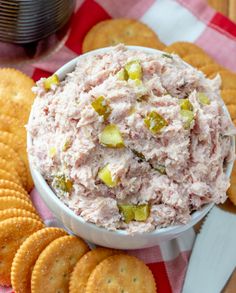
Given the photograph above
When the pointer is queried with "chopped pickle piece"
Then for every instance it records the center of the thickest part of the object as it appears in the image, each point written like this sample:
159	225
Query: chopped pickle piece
161	169
203	99
63	183
101	107
167	56
52	151
185	104
155	122
66	145
128	212
122	74
134	69
138	83
188	117
51	80
135	212
139	155
111	137
141	212
104	174
143	98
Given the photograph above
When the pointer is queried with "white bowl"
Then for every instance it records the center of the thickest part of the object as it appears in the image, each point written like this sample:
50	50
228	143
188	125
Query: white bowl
115	239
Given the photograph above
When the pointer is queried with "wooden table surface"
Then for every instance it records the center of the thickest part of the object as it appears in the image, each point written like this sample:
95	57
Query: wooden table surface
227	7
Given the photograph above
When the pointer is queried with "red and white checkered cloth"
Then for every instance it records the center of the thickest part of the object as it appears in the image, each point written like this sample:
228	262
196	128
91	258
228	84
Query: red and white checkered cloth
180	20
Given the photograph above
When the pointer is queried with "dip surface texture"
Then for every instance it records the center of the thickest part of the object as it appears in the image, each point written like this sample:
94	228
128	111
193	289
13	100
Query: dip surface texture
131	140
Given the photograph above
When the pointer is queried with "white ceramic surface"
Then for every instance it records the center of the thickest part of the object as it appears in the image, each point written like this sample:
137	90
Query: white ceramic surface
115	239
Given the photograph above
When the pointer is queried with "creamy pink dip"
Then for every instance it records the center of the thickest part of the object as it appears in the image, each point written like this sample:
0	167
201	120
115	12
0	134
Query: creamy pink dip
194	159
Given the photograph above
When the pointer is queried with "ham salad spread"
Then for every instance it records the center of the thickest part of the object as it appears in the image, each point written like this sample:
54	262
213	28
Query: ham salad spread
132	140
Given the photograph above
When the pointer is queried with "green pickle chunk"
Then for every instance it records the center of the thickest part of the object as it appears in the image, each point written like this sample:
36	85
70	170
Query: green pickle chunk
51	80
111	137
167	56
134	212
155	122
122	74
63	183
185	104
104	175
188	117
141	212
128	212
101	107
139	155
138	83
161	169
67	144
203	99
52	151
134	69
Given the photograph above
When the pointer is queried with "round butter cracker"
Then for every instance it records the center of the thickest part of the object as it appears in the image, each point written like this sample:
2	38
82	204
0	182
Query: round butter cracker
4	175
14	193
16	96
12	125
183	49
18	144
13	213
8	202
213	75
9	167
198	60
232	111
53	268
229	96
28	254
121	273
210	69
18	111
9	154
13	233
232	189
232	192
228	80
114	31
86	265
6	184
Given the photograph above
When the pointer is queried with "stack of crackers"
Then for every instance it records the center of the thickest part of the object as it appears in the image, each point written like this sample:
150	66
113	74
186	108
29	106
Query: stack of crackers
16	98
18	217
34	258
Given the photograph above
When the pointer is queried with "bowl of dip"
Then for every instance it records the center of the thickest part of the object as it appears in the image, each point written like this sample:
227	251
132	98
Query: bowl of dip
130	146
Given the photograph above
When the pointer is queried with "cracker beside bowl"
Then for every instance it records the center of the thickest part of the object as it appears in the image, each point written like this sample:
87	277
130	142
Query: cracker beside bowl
114	239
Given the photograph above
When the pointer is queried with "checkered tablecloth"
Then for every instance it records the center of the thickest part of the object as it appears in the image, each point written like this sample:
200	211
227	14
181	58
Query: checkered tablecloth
180	20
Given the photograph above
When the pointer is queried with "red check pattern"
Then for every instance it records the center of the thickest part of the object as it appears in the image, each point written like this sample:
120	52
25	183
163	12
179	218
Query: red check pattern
216	34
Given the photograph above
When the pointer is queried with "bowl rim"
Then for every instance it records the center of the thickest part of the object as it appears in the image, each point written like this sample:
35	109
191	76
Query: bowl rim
195	216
